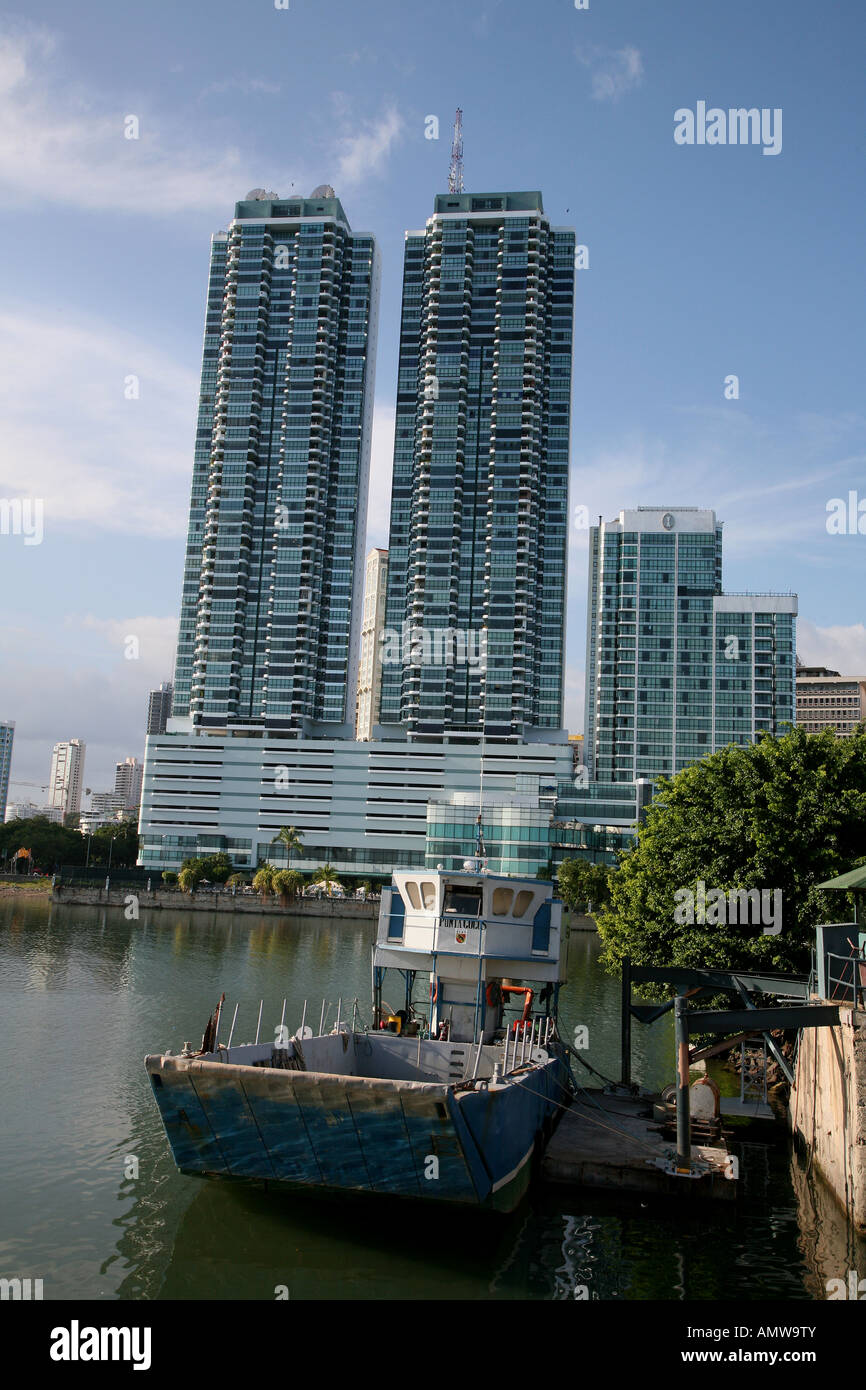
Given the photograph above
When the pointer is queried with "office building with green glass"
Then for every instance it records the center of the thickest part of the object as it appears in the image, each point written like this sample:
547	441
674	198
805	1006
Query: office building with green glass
479	508
675	667
271	605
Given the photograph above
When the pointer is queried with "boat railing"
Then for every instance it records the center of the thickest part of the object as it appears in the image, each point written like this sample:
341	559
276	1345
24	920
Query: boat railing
522	1040
344	1019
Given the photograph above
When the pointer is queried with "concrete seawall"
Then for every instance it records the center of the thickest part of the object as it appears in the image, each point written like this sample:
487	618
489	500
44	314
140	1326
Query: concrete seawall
828	1108
92	896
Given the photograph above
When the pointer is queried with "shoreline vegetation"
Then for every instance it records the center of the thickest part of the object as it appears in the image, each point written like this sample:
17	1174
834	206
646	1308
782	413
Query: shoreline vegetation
25	887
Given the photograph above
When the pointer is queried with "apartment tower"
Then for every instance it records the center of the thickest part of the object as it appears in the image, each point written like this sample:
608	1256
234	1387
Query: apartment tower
475	607
271	606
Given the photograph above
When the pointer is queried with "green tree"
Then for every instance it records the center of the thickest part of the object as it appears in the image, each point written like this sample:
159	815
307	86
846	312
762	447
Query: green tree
292	840
781	814
288	883
52	845
263	881
327	876
217	867
237	881
188	879
117	842
169	878
584	885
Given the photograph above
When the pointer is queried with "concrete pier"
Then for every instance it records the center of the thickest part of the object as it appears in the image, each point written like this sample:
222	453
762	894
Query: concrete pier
612	1142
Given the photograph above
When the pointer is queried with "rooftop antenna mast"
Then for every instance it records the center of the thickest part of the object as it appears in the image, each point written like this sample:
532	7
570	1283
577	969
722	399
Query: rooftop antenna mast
455	172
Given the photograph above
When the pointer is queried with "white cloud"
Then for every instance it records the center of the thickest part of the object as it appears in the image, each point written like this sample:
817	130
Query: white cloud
101	697
59	143
614	71
364	151
842	649
100	462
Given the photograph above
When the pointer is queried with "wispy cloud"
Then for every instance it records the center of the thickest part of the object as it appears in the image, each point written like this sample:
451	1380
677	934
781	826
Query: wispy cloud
60	143
101	697
99	461
614	71
363	152
248	86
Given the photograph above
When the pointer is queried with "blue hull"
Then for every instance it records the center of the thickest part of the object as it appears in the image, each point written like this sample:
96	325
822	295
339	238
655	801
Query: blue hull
340	1133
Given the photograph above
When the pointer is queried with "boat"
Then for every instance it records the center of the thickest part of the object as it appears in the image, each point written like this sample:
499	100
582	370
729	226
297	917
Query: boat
446	1099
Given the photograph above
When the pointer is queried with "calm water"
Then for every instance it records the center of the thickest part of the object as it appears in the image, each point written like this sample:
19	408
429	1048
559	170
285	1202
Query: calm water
84	994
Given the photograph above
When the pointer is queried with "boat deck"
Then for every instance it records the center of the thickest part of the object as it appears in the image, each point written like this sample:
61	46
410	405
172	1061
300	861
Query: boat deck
612	1142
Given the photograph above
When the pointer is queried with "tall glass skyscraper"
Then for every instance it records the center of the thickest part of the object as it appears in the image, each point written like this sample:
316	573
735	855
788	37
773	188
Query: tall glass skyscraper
479	509
675	668
7	734
271	605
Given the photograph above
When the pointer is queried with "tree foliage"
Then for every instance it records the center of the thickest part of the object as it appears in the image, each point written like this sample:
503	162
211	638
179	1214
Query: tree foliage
292	839
783	813
583	884
51	844
288	883
263	882
327	876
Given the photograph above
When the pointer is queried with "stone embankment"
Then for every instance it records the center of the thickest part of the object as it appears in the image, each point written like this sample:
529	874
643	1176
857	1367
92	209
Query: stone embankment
203	901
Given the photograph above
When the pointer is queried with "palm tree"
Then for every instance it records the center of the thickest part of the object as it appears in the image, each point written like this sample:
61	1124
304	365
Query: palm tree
289	837
264	880
287	884
327	875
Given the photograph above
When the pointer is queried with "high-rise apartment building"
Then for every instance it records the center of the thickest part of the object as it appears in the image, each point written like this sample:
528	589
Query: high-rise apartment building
7	734
370	664
271	606
159	708
675	668
67	777
479	507
826	700
127	783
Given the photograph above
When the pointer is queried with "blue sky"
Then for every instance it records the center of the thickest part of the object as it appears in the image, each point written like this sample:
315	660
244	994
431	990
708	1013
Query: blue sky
704	261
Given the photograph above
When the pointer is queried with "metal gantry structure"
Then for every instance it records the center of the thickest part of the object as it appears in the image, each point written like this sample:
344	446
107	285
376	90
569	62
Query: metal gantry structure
798	1011
455	172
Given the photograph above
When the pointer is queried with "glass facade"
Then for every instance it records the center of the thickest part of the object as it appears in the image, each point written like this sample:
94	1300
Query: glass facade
479	509
270	602
675	668
7	734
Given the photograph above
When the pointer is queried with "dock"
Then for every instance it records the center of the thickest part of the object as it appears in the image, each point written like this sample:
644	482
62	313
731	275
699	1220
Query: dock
610	1141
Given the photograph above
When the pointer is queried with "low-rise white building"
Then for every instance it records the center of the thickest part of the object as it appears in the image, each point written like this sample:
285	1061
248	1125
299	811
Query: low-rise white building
361	807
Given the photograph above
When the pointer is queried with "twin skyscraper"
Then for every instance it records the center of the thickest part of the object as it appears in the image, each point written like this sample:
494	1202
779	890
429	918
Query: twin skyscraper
471	652
272	595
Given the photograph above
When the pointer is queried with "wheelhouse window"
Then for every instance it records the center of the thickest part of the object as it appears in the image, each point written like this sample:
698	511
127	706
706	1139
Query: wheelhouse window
502	900
522	902
428	895
414	895
463	902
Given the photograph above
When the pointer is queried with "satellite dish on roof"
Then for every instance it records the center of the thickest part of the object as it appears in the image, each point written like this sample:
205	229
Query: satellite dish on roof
260	195
323	190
